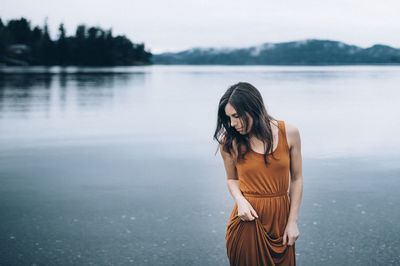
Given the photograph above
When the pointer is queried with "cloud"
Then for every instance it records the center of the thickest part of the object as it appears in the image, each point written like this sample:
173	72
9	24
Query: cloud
179	24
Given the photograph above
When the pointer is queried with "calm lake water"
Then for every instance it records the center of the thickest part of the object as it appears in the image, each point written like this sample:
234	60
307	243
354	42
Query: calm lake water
115	166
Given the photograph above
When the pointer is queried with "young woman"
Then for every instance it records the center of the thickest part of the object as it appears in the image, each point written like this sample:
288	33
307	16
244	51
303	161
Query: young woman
259	153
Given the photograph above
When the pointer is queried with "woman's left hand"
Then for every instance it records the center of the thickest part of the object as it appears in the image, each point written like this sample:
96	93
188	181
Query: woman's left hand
291	234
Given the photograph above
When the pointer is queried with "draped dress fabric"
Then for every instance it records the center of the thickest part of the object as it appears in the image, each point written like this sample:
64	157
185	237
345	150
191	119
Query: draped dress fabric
260	242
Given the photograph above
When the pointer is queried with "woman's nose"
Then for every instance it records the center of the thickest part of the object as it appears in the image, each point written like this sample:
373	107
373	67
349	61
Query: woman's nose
233	122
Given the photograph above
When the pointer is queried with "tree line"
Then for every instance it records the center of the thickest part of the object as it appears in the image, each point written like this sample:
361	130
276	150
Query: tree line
90	46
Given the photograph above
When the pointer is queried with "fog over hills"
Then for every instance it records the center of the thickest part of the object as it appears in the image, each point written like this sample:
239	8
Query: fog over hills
304	52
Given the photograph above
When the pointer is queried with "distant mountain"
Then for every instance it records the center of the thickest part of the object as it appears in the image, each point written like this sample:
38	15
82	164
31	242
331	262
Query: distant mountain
306	52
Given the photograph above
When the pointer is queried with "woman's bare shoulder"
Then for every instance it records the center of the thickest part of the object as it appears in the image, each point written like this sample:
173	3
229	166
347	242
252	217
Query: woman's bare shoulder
225	154
290	128
292	134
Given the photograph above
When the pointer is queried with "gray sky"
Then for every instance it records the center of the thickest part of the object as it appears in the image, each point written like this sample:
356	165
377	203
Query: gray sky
181	24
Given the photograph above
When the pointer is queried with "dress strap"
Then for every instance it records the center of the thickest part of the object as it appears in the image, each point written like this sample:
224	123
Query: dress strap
282	134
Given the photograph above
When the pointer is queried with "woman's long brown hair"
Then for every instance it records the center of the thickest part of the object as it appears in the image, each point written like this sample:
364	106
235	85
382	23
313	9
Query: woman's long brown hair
245	98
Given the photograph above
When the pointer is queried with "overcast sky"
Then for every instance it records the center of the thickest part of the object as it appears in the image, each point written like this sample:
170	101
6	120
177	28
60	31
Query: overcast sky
173	25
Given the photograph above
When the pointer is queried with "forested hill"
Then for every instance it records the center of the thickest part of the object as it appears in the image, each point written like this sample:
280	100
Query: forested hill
307	52
90	46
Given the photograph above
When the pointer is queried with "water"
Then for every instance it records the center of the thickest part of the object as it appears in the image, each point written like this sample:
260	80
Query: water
103	166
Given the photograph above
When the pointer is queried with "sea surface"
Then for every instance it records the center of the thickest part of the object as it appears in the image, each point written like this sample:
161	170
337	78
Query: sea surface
117	166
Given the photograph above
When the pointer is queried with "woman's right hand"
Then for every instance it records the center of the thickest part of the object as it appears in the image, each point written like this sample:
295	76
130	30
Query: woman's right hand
245	210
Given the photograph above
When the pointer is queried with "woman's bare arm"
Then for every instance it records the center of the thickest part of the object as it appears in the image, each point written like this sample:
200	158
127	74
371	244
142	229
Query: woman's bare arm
296	184
296	175
245	210
231	174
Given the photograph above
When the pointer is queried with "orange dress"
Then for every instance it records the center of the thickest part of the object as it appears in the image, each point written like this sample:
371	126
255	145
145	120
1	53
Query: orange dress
259	242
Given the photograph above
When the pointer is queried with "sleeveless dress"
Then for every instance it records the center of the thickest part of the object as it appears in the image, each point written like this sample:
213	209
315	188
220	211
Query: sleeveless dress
259	242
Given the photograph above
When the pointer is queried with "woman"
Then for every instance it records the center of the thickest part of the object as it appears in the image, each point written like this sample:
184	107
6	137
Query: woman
259	152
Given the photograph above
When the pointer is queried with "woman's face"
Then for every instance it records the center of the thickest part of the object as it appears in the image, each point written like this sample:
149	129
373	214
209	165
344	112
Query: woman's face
236	122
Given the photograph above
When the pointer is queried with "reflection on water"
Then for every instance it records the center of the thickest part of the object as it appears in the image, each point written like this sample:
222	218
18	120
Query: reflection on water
24	92
339	110
20	91
47	106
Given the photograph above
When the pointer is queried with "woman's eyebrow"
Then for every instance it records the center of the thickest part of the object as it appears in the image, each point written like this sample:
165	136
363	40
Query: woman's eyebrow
232	114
